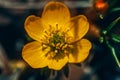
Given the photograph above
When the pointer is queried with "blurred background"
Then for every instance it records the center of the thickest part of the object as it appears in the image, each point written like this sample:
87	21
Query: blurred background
100	65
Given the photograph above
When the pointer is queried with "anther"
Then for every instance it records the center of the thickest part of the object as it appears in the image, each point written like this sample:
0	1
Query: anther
56	51
65	46
58	46
68	29
44	45
70	46
52	44
56	26
46	36
41	39
50	26
46	32
65	51
61	44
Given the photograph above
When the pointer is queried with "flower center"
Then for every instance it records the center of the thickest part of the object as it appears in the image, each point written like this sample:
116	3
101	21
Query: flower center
56	40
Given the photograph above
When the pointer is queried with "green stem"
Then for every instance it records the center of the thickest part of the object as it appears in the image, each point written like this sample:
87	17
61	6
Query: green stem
112	24
112	49
115	9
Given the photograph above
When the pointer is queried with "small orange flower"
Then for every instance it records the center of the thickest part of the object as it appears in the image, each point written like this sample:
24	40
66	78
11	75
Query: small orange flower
58	38
101	5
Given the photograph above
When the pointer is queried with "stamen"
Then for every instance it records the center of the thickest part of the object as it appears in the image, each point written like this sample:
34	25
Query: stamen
50	55
69	39
65	51
46	36
68	29
46	32
61	44
56	27
58	46
52	44
50	27
41	40
53	54
44	45
65	46
57	41
70	46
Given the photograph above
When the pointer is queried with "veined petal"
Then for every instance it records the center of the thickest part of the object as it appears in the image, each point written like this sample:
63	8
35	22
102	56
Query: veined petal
78	27
58	64
56	13
34	27
81	51
33	54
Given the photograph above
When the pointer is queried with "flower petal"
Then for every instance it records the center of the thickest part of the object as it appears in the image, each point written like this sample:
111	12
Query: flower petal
78	27
58	64
33	54
56	13
81	51
34	27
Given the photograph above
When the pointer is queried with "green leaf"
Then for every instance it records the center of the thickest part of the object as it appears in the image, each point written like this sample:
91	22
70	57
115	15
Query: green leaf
115	9
112	50
115	38
113	24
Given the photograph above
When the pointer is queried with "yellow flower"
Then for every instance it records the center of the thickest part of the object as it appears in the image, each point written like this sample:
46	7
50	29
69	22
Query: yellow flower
58	38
